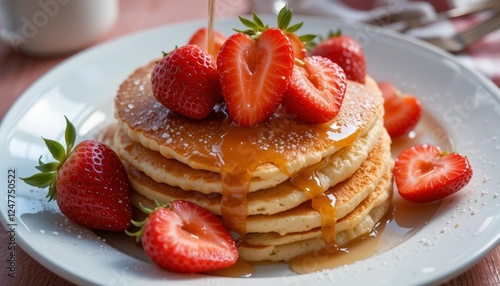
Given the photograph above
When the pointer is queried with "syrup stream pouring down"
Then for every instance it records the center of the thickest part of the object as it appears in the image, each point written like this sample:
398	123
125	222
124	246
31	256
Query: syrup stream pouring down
210	28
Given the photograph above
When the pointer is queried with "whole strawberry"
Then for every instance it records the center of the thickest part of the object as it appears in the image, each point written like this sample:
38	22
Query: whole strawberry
185	237
346	52
186	82
88	182
200	38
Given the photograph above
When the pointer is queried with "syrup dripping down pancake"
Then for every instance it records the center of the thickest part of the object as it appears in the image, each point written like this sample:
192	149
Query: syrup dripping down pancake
274	247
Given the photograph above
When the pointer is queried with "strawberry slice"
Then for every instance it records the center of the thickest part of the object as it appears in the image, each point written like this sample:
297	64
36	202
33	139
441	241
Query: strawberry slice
299	49
186	238
200	38
388	90
402	111
401	115
254	74
316	90
424	174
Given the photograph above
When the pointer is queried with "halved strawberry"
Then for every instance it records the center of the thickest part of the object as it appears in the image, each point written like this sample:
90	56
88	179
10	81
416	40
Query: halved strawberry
254	74
423	173
299	49
185	237
346	52
200	38
186	81
316	90
402	111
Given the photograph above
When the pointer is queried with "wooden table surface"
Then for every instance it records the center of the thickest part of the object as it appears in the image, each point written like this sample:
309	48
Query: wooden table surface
18	72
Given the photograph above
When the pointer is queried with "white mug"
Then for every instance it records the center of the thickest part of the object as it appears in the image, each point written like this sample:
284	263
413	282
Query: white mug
55	27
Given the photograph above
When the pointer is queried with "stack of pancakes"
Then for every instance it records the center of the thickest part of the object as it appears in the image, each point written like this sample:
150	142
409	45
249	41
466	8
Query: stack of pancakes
284	188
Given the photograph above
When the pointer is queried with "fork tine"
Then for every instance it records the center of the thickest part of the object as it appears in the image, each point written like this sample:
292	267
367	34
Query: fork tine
477	32
462	40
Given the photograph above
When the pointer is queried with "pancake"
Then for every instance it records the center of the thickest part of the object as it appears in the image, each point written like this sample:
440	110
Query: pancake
279	147
381	194
363	187
347	195
335	168
285	187
279	199
288	251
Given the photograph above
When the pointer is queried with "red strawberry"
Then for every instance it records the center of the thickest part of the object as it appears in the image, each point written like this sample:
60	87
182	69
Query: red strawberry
254	75
389	91
316	90
299	49
402	111
423	173
186	82
347	53
184	237
89	183
200	38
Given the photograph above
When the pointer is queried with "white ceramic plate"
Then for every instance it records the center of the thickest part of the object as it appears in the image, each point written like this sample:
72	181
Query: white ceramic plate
462	113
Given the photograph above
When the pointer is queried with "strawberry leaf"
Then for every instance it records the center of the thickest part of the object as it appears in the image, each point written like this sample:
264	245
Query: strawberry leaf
69	135
258	22
51	194
48	171
56	149
253	26
307	37
294	28
41	180
141	224
284	18
47	167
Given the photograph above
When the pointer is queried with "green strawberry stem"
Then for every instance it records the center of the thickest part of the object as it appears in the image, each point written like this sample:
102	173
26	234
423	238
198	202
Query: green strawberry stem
256	26
299	62
141	224
48	171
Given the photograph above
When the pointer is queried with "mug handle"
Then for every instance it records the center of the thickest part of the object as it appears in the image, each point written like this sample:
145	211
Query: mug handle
7	10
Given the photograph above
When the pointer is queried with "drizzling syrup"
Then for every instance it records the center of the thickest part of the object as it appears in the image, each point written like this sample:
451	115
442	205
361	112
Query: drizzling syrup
210	27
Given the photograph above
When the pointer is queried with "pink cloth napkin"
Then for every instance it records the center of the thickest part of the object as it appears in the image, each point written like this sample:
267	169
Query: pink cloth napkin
483	56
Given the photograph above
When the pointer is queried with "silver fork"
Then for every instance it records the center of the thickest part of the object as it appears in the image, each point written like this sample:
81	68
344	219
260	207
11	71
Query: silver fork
462	40
404	23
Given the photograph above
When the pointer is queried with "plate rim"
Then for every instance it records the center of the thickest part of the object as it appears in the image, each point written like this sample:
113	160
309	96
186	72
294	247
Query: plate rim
26	96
